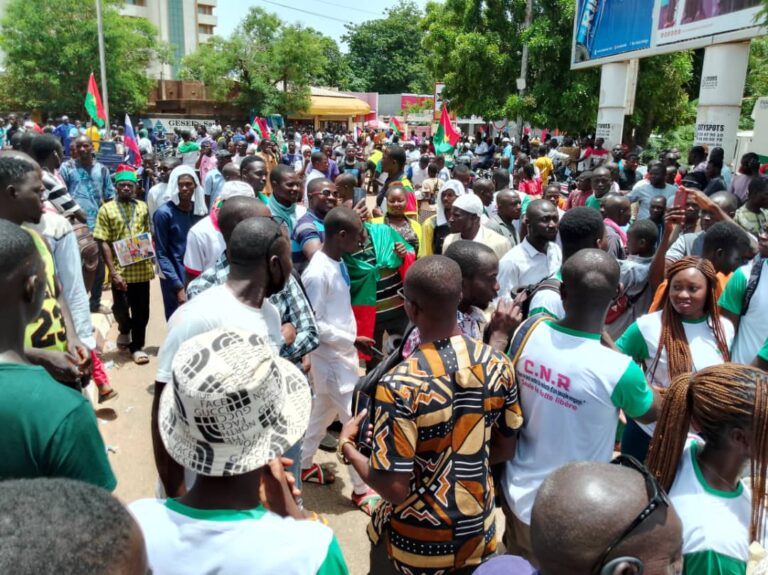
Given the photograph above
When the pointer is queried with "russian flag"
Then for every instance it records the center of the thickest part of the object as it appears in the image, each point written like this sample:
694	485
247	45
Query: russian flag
132	143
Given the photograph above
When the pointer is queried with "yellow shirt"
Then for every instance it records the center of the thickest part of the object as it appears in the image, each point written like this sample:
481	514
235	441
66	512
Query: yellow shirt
545	168
93	133
47	331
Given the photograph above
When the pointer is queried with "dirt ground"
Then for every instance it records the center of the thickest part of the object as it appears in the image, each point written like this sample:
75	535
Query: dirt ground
125	425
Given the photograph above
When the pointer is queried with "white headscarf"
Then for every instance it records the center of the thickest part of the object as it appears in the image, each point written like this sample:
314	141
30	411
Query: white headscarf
198	197
454	185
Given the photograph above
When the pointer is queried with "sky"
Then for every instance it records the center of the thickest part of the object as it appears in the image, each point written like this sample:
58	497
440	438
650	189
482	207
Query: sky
327	16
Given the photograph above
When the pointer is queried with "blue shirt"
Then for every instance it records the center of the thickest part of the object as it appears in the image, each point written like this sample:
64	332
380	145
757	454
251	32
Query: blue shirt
89	188
214	181
64	133
171	229
309	227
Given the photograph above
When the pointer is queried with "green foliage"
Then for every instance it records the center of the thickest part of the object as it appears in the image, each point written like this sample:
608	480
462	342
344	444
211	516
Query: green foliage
757	80
266	64
51	47
661	98
680	137
385	53
475	48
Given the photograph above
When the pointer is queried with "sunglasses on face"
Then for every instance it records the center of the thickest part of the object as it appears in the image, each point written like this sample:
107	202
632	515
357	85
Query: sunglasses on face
326	192
658	498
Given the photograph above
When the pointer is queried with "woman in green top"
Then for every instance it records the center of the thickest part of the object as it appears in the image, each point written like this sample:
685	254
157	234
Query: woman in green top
727	405
408	228
687	334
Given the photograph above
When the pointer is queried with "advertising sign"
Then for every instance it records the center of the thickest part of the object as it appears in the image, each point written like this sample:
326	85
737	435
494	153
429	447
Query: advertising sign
171	124
615	30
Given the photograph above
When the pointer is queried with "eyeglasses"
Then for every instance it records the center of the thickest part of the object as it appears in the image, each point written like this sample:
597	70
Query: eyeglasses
658	497
326	192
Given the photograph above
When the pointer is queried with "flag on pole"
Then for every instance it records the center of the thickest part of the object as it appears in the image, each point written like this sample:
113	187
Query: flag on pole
265	128
256	126
446	136
93	103
132	143
396	126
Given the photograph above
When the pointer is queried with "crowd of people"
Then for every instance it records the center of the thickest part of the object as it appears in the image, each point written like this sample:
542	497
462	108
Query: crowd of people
553	329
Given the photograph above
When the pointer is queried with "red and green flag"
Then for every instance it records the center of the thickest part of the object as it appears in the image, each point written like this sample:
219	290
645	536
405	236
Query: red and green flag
446	136
93	103
396	126
364	276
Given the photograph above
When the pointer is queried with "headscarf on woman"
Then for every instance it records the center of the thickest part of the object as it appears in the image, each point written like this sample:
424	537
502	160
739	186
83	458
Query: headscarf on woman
458	189
198	198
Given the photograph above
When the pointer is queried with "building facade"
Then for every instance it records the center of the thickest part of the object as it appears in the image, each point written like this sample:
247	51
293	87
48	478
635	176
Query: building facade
184	24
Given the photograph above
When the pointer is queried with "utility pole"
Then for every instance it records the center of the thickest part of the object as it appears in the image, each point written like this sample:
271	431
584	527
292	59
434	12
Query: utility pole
103	65
524	62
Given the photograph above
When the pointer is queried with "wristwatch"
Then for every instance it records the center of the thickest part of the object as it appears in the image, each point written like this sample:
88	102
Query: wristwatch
340	450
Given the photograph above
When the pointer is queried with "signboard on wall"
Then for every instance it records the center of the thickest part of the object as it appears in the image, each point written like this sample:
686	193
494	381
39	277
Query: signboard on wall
171	124
616	30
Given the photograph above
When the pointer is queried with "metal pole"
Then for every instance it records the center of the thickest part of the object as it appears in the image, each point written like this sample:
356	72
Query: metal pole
103	65
524	61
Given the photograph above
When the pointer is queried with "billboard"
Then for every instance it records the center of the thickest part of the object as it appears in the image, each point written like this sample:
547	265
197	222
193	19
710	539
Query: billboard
616	30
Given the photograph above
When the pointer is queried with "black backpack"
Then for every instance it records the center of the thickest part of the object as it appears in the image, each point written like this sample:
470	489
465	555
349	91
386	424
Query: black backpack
754	279
550	283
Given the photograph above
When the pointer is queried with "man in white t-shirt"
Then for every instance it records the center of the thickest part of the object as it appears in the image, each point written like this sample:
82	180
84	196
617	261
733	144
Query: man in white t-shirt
205	244
571	390
748	287
234	410
335	361
260	263
537	256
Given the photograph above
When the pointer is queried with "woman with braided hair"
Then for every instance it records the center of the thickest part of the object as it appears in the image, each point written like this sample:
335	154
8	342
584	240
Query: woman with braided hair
686	335
727	406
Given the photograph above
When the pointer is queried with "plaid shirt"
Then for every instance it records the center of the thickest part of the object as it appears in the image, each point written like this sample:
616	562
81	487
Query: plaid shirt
118	220
292	303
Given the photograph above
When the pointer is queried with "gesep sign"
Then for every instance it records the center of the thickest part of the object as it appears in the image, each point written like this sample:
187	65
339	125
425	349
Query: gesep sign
172	124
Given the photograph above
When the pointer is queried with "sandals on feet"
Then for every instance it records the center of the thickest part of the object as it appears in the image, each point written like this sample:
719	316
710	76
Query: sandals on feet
317	475
366	502
123	340
111	394
140	357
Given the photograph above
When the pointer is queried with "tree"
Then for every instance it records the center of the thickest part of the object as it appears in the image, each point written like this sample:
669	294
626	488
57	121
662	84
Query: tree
265	65
385	53
475	48
51	48
661	98
757	80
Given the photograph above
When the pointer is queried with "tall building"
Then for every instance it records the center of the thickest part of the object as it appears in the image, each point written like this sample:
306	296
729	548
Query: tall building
184	24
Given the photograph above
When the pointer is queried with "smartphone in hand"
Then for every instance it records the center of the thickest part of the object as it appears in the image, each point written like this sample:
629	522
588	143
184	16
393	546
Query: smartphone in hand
362	401
681	196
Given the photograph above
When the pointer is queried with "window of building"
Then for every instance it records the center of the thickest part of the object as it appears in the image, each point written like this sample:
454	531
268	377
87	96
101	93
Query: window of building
176	31
204	29
205	10
136	2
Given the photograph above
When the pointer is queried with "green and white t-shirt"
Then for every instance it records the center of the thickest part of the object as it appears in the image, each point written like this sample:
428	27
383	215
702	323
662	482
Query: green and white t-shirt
182	540
715	523
571	389
641	341
753	324
548	301
763	353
